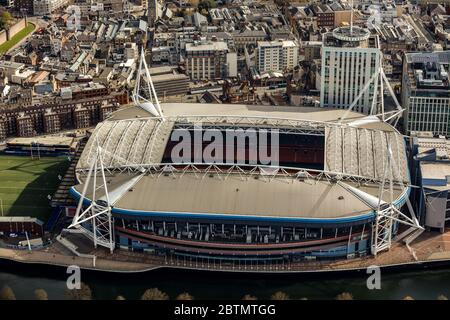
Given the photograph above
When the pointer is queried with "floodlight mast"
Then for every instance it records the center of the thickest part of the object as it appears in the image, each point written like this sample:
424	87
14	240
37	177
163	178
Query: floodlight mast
98	213
380	81
151	102
387	213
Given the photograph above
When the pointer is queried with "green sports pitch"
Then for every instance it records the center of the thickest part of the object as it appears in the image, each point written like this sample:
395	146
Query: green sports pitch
27	185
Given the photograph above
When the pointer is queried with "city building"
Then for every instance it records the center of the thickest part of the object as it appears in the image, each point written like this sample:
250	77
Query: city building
246	37
33	226
20	121
431	171
278	55
169	82
350	58
311	50
44	7
42	146
24	6
207	60
426	92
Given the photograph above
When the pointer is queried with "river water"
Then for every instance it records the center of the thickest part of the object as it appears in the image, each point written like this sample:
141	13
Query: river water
422	284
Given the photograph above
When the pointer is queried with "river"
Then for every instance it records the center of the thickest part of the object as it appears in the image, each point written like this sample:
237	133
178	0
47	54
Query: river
421	284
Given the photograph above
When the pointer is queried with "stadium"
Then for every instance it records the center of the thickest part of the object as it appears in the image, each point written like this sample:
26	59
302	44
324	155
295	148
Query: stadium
337	191
229	211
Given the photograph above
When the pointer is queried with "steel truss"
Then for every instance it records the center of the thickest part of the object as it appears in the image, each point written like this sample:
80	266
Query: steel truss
290	129
388	213
150	103
380	80
224	170
236	121
98	213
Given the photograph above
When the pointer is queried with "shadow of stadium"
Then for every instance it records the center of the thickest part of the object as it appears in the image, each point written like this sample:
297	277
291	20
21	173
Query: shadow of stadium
34	199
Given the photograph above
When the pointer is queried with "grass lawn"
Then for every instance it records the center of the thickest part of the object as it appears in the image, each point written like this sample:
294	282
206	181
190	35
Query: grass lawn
25	184
17	38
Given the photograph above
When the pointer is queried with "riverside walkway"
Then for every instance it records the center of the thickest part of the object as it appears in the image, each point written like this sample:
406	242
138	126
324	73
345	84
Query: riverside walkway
429	247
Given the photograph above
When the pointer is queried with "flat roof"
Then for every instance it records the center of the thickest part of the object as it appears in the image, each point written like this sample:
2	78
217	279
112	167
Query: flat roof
20	219
50	140
435	170
208	46
434	175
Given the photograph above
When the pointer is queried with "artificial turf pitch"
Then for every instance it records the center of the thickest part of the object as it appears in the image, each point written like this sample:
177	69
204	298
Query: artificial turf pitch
27	185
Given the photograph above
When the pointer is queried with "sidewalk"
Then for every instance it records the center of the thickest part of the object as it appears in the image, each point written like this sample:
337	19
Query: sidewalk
429	247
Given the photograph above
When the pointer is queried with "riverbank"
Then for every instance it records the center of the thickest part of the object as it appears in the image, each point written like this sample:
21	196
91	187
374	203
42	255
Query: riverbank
429	249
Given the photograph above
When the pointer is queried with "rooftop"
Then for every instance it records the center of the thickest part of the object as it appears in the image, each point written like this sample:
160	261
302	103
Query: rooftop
429	70
44	140
207	46
435	175
355	37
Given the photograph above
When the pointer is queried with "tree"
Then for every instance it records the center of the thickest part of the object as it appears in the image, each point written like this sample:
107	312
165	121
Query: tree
279	295
344	296
249	297
84	293
184	296
40	294
7	293
5	19
154	294
442	297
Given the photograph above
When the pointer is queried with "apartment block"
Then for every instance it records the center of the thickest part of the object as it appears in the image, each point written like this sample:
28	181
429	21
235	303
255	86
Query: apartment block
277	55
207	60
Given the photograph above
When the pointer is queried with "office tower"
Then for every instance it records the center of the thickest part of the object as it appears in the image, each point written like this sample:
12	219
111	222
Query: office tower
350	58
426	92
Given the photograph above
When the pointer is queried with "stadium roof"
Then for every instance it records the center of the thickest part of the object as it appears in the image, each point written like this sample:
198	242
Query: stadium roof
355	155
356	150
237	197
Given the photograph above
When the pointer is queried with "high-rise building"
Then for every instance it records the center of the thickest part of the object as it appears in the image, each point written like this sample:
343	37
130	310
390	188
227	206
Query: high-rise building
426	92
207	60
350	58
277	55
